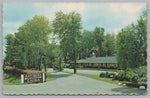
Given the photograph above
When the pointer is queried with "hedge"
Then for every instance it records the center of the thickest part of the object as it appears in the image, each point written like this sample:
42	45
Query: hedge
111	75
102	74
18	72
107	75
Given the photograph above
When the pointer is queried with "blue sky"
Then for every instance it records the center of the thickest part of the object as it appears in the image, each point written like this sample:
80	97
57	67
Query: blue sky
111	16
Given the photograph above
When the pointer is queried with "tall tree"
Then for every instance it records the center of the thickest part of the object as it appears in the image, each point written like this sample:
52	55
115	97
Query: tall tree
99	38
131	45
141	28
87	44
68	26
31	41
109	45
10	49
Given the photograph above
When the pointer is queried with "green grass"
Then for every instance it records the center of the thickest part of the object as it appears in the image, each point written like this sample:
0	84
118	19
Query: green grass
98	78
50	77
9	79
109	80
101	69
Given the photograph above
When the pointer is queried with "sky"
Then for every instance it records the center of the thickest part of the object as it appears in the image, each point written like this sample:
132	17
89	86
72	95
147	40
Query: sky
111	16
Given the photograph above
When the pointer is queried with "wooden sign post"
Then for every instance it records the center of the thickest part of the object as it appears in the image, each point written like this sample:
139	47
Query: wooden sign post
33	78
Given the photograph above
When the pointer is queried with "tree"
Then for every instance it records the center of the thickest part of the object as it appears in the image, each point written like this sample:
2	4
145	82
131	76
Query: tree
10	56
99	38
109	45
142	38
123	48
86	45
68	26
131	45
31	42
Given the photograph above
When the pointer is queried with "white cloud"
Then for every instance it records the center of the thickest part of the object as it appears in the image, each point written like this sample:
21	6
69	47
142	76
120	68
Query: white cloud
127	10
50	8
116	30
10	24
42	5
67	7
126	7
113	30
11	27
44	9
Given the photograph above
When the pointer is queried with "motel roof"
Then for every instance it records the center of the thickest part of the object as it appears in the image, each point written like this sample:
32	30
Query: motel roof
98	60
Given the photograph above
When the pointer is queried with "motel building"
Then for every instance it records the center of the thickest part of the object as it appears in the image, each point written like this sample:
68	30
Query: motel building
98	62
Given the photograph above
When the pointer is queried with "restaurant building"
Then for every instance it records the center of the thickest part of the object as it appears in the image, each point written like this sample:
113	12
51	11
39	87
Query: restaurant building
98	62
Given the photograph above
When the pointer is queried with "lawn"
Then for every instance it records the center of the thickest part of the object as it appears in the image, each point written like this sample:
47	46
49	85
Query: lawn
109	80
99	78
9	79
50	77
113	70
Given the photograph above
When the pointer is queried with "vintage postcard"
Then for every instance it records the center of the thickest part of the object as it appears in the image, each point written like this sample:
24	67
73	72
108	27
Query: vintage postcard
74	48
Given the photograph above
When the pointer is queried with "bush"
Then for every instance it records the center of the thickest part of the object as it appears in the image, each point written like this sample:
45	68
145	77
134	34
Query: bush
18	72
142	73
121	75
111	75
102	74
106	75
115	77
131	75
144	79
137	74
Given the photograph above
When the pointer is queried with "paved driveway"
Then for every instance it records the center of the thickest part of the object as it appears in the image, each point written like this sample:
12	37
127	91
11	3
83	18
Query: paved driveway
93	72
70	84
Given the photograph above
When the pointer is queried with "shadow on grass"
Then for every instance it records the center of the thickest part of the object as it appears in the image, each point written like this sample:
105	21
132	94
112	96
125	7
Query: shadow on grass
62	75
128	90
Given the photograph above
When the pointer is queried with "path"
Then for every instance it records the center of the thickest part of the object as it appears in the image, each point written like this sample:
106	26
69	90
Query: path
70	84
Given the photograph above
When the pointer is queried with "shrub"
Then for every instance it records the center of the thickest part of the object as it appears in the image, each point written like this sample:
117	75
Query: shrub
18	72
129	75
144	79
106	75
102	74
137	74
121	75
111	75
142	73
115	77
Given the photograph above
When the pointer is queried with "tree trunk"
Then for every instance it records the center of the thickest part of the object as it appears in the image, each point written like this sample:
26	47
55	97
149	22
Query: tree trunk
99	51
44	65
59	64
65	58
75	71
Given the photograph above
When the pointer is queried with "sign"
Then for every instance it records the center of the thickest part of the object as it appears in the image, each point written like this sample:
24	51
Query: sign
33	78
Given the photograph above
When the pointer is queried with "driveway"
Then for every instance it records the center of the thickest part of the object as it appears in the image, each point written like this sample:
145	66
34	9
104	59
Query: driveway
69	84
93	72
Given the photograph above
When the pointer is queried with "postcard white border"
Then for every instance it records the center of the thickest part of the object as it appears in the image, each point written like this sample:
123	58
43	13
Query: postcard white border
103	1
